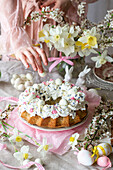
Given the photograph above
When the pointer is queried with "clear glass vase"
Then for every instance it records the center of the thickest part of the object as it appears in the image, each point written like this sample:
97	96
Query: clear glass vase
79	65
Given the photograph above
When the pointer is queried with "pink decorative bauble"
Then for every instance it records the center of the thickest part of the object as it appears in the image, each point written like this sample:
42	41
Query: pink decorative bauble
104	161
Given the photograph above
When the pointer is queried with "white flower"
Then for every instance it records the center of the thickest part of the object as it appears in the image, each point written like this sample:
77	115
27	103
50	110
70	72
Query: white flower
68	47
102	59
73	140
56	36
38	160
72	32
17	137
89	41
23	154
45	146
44	35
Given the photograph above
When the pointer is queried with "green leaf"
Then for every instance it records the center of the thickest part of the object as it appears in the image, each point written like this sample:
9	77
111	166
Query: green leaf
0	73
79	149
108	24
86	145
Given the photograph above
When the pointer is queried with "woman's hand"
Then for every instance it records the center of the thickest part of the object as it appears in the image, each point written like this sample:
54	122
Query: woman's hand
33	56
63	5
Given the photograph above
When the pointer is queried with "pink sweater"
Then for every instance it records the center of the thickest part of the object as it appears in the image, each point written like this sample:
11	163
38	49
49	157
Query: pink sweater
12	14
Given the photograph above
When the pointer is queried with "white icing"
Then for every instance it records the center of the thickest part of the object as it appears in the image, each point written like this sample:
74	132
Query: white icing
63	102
33	99
58	81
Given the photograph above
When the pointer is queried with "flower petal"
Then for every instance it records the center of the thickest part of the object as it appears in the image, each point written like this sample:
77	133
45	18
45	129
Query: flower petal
110	59
97	64
94	58
18	156
15	131
40	148
25	149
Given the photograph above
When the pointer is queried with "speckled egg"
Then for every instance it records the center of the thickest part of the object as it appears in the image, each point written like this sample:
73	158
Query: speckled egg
23	76
12	81
15	76
104	161
18	81
15	86
84	158
29	76
27	84
104	149
21	87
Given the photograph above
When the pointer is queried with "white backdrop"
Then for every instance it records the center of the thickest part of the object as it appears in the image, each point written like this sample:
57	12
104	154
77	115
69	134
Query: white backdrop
97	10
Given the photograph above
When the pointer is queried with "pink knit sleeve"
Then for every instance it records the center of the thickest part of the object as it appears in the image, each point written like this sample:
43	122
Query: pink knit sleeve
72	11
91	1
13	36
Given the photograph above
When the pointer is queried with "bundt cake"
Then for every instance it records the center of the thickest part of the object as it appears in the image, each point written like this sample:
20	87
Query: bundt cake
53	104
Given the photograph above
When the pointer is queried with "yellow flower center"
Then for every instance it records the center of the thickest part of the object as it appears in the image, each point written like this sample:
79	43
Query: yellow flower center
92	41
66	45
46	41
83	46
25	155
69	35
71	139
57	37
45	147
41	34
76	48
102	61
18	139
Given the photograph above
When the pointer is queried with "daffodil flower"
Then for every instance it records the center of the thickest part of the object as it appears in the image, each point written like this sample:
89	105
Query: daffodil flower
23	154
17	137
88	41
73	140
102	59
68	47
46	147
44	35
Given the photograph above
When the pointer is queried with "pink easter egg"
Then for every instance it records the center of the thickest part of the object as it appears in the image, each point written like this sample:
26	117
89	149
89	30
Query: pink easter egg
104	161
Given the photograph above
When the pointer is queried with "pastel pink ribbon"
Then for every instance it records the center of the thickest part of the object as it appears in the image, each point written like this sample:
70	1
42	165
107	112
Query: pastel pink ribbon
29	164
2	146
11	99
59	59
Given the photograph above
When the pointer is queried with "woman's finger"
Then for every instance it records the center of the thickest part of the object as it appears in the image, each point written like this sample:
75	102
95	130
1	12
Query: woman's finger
22	57
47	3
37	59
30	57
57	5
42	54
